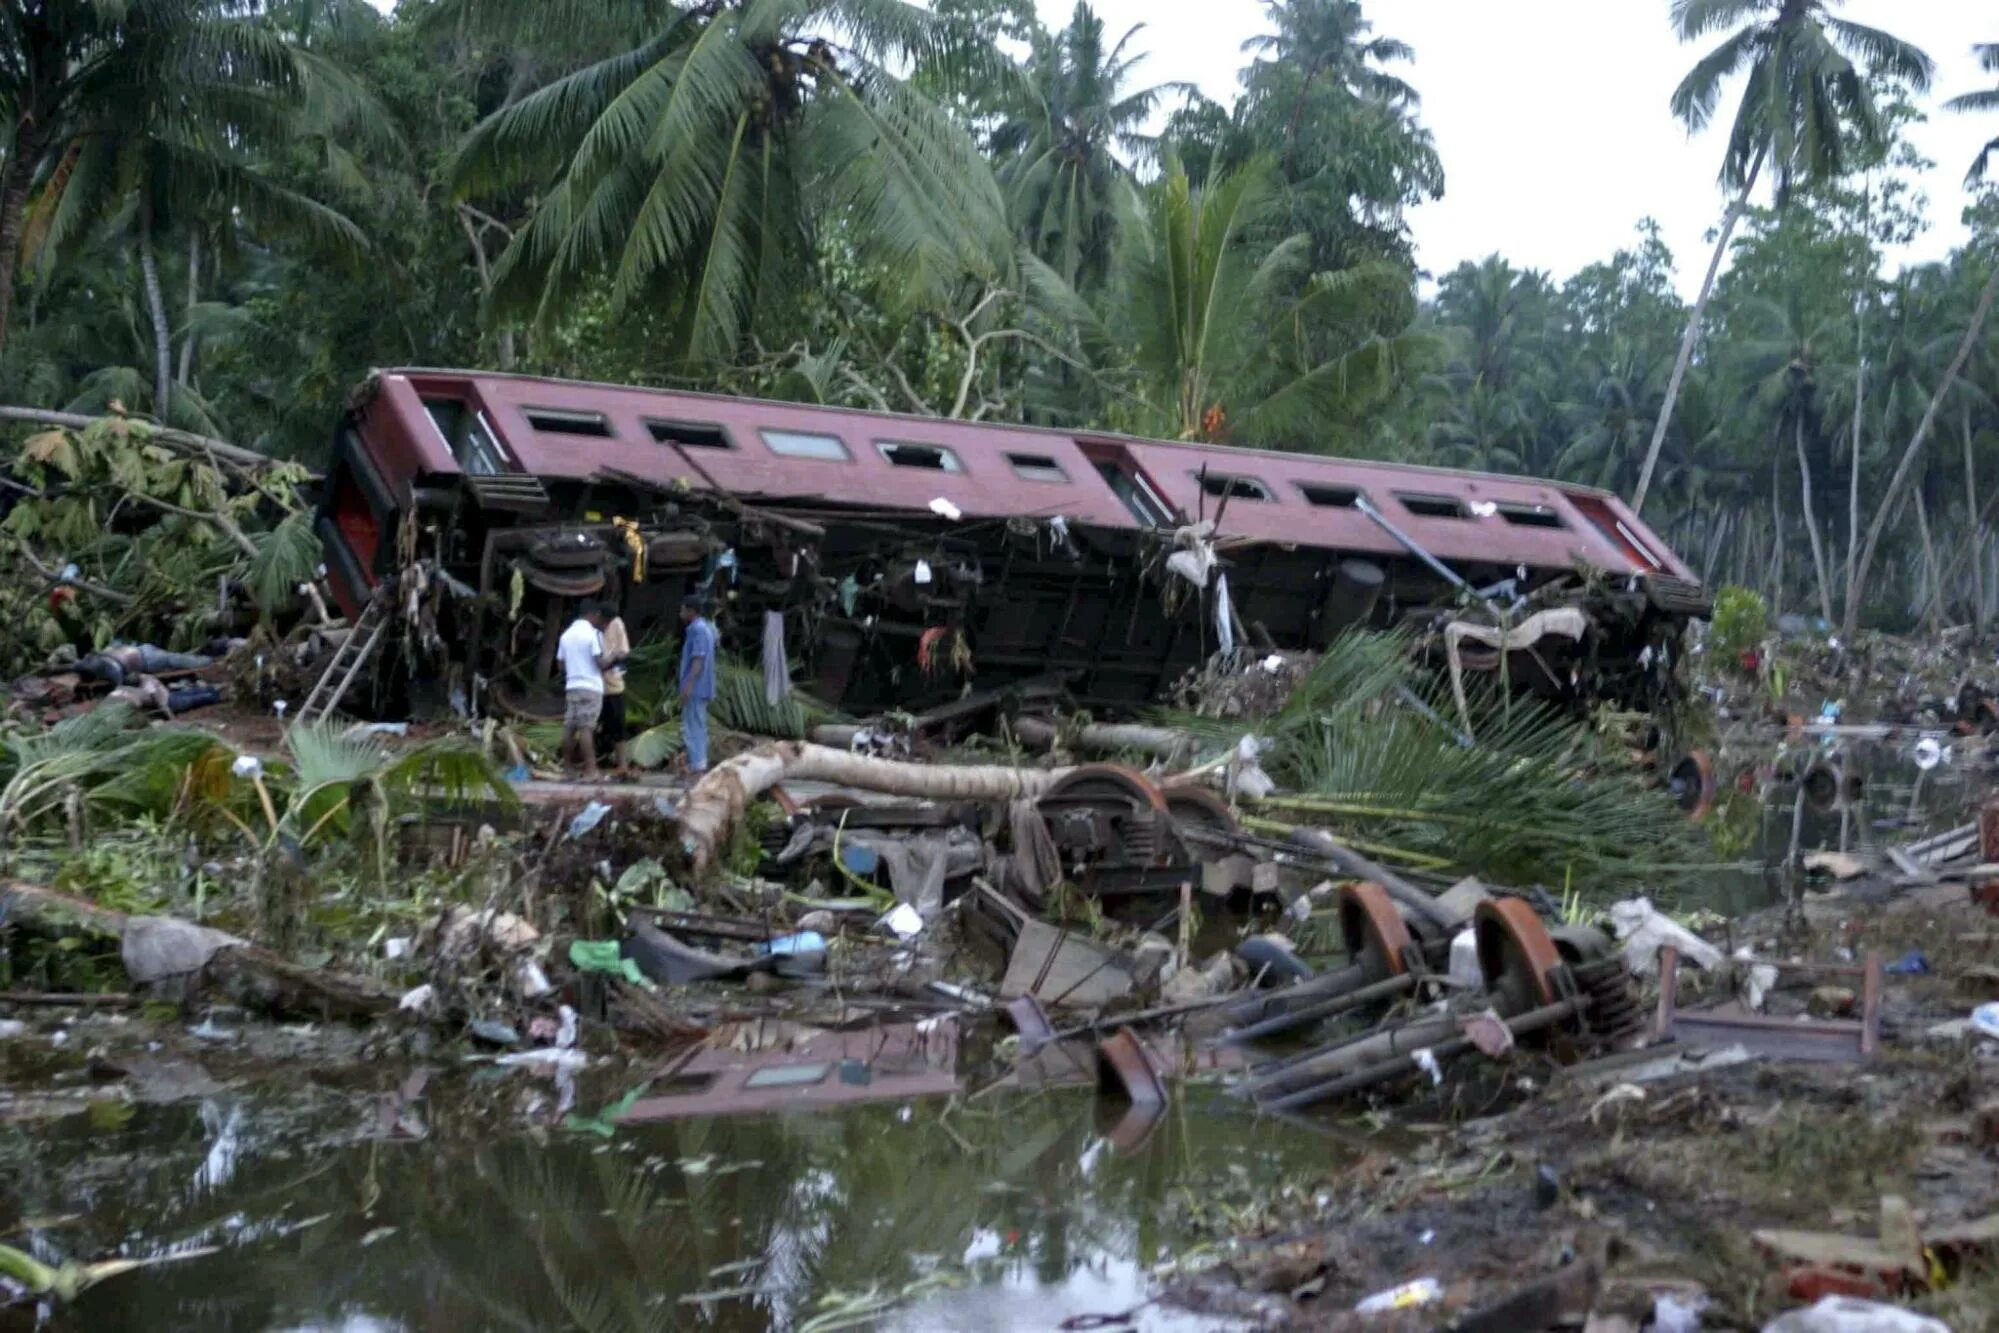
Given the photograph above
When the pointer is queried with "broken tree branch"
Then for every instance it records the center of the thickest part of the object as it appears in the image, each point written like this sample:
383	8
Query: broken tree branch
253	977
715	803
179	440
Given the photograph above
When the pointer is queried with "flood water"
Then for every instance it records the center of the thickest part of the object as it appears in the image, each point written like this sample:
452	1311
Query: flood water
1008	1212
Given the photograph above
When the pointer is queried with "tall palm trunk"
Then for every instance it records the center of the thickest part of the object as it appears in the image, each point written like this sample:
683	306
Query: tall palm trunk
1932	573
1859	406
15	184
1812	522
1776	533
1857	588
156	302
186	370
1692	336
1975	534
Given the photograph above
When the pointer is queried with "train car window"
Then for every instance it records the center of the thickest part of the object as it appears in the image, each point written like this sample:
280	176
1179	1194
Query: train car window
1145	505
930	457
1228	485
552	421
1531	516
806	444
1037	467
1329	497
469	437
693	434
1432	506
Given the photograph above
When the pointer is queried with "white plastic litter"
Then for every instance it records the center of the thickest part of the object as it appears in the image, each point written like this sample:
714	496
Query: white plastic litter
1484	508
1224	615
923	573
530	981
11	1028
1929	753
945	509
904	921
247	766
1409	1296
1426	1060
1762	977
589	817
1672	1314
415	1001
1845	1314
1645	930
398	947
1985	1020
552	1059
1465	973
565	1035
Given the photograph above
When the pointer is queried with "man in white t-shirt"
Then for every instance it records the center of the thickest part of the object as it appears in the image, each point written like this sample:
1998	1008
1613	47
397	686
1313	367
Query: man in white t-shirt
584	661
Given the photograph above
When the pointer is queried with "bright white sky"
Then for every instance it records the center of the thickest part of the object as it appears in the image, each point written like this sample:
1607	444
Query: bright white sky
1552	120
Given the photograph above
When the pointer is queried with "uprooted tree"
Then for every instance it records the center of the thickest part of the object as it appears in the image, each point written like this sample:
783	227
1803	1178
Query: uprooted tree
149	533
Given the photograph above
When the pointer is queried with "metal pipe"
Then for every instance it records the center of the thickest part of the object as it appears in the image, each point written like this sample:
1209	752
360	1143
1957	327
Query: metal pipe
1346	1056
1284	1022
1415	548
1531	1021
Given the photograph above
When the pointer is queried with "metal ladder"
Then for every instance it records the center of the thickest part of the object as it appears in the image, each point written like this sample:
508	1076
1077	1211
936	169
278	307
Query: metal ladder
353	654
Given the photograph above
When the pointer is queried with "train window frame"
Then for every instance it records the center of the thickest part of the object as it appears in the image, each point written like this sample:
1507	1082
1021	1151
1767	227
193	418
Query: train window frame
1026	466
721	438
950	464
771	434
1309	491
1233	486
1426	504
578	423
1544	517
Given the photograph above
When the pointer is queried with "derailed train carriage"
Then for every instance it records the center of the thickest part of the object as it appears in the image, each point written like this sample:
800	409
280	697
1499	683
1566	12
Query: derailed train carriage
909	559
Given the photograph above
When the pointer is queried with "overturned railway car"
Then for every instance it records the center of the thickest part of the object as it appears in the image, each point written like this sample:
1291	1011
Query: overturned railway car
906	559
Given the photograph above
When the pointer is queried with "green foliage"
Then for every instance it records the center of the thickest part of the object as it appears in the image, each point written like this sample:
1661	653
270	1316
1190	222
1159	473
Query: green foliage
1536	800
1741	622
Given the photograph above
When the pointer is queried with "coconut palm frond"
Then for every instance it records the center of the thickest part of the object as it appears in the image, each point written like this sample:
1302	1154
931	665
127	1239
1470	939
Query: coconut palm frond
287	556
452	770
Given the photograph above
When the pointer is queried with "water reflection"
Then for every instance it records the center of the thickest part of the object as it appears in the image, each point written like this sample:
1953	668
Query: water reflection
1004	1213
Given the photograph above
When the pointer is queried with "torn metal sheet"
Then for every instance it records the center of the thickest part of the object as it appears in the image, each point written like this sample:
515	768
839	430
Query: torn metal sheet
754	1067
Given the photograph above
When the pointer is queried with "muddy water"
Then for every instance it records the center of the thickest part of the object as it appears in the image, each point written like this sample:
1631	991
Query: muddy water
1010	1212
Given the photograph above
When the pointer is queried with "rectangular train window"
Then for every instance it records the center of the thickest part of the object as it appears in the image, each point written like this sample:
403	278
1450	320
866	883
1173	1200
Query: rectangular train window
1432	506
1228	485
806	444
931	457
1531	516
469	437
693	434
1329	497
553	421
1037	467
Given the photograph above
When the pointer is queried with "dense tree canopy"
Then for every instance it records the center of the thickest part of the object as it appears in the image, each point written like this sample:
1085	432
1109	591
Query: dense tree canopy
225	212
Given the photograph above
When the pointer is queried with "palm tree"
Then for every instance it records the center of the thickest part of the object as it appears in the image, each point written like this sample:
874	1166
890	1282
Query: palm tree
1329	42
188	149
1983	100
695	162
77	80
1235	340
1059	148
1803	100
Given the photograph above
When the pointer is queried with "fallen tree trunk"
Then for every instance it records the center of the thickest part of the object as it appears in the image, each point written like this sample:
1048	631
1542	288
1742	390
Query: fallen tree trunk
181	441
715	803
1097	737
253	977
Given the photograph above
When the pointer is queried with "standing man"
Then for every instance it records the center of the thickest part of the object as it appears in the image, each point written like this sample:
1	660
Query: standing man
612	730
697	682
581	649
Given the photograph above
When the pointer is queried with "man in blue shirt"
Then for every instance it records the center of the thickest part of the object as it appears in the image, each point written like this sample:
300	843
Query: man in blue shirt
697	682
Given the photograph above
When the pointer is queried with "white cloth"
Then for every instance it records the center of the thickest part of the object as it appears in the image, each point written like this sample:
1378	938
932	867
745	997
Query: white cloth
579	648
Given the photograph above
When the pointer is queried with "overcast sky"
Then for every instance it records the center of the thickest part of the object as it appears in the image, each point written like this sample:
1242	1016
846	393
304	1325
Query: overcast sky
1551	115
